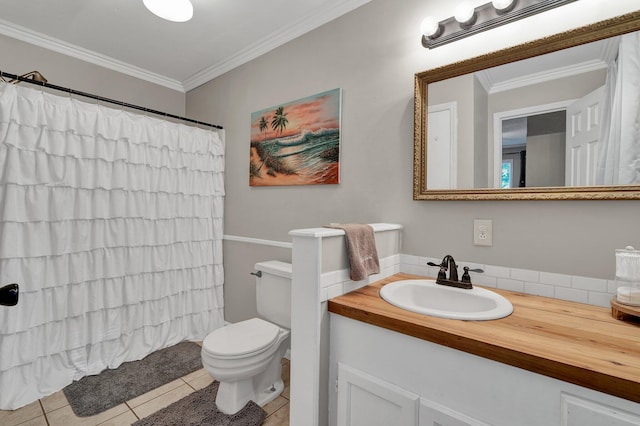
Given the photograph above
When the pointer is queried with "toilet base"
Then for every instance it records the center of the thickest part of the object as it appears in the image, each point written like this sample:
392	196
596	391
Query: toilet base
233	396
269	395
261	389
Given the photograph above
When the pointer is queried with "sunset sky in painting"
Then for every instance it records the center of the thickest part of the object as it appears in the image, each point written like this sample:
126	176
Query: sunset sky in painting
313	113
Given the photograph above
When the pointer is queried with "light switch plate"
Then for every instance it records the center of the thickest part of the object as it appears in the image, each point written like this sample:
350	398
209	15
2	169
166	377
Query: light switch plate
483	232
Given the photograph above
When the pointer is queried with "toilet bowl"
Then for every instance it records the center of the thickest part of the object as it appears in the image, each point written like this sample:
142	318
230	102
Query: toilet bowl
246	357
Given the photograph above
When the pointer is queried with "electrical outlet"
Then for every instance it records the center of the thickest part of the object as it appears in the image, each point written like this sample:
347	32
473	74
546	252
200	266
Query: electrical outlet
483	232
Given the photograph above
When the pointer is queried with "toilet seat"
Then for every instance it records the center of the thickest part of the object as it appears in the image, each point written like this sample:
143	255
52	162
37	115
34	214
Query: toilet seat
241	339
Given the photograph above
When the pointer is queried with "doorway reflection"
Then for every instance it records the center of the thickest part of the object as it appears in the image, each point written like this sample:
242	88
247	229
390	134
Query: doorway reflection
534	150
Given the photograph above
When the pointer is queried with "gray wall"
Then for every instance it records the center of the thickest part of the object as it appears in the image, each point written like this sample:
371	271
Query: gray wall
373	53
19	58
481	136
545	159
240	286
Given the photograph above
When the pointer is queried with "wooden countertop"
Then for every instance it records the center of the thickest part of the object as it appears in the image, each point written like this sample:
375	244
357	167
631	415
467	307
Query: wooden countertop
573	342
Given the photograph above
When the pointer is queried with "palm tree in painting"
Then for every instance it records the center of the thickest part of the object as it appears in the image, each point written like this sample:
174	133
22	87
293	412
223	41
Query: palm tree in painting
264	125
279	121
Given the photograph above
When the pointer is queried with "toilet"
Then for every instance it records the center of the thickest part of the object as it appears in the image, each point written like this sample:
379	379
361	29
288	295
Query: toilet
245	357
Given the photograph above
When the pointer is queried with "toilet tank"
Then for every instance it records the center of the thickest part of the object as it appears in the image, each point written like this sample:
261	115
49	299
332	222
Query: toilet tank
273	292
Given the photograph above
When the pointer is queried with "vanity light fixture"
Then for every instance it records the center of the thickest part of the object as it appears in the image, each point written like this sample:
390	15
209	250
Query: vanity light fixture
469	20
171	10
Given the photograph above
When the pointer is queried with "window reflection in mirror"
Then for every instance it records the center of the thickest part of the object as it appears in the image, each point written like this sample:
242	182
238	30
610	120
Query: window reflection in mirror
507	173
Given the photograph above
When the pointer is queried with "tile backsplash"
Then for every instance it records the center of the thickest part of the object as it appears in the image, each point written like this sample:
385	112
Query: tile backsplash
573	288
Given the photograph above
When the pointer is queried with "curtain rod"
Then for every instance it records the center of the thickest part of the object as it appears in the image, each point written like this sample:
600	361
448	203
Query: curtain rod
102	99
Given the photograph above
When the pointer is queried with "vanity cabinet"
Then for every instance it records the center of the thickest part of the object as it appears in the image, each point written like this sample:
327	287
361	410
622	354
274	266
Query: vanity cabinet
365	400
382	377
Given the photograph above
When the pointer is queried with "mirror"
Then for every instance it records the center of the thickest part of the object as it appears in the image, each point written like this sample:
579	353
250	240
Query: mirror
497	127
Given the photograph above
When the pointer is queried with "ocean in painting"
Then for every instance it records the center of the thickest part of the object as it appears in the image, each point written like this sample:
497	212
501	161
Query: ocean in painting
306	158
297	143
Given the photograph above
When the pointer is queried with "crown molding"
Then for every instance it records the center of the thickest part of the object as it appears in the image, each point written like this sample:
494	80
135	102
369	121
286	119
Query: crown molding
541	77
38	39
272	41
608	51
269	43
485	80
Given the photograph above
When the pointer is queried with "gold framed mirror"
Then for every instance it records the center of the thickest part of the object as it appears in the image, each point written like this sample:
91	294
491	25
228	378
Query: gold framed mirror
490	160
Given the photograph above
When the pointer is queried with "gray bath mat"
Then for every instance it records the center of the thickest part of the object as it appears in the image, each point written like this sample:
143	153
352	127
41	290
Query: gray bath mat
200	409
92	395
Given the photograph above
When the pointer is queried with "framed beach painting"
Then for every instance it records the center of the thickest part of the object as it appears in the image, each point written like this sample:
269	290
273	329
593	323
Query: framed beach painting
297	143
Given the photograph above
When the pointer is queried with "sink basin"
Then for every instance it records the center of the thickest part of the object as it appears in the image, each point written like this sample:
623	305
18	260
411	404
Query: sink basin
428	298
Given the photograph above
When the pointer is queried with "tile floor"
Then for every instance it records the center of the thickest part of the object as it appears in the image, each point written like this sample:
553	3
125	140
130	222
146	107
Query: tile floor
54	410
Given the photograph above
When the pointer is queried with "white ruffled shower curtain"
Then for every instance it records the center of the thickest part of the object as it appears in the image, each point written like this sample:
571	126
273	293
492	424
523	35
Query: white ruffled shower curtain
619	162
111	223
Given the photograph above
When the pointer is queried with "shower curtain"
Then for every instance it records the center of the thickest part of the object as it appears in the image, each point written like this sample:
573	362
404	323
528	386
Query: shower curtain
619	162
111	223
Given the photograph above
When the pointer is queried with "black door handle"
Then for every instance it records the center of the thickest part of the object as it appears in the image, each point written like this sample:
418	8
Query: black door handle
9	295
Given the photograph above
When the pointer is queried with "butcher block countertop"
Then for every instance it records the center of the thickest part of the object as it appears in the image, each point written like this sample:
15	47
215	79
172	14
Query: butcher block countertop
573	342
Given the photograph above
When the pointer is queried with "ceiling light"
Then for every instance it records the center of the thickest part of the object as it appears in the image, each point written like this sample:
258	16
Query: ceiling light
171	10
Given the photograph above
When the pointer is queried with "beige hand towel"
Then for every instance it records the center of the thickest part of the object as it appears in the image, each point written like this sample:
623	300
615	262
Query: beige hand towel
361	249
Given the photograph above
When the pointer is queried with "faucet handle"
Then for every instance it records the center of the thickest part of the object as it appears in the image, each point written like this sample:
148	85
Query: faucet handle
466	278
442	273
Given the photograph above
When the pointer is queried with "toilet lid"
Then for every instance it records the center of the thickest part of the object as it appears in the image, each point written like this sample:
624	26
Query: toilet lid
241	338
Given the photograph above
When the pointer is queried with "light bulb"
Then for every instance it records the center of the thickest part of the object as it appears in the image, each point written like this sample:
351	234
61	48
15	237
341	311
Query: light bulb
464	12
430	27
171	10
501	5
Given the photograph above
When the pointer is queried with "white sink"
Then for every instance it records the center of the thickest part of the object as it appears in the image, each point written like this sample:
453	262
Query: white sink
428	298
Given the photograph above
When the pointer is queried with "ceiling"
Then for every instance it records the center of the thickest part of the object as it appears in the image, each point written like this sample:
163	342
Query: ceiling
124	36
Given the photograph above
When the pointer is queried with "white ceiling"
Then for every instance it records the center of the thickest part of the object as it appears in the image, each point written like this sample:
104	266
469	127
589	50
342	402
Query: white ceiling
123	35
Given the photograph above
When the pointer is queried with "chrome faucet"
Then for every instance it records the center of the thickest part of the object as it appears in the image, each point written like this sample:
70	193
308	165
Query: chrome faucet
448	263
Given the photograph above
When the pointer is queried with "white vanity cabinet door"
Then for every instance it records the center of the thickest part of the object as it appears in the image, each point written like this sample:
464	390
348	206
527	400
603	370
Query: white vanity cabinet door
365	400
583	412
